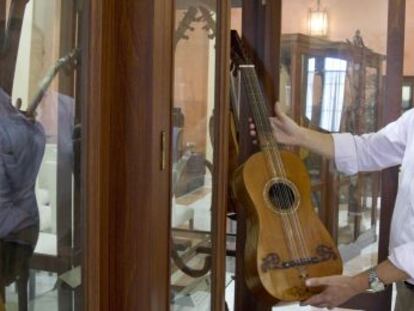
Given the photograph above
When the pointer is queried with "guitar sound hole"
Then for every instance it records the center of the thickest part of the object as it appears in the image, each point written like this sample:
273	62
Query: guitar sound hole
282	196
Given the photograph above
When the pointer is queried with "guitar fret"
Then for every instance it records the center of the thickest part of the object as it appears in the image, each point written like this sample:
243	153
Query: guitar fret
261	117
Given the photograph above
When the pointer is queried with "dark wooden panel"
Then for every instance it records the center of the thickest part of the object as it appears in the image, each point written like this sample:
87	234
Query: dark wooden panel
2	13
48	263
99	71
261	31
68	26
130	81
221	150
261	34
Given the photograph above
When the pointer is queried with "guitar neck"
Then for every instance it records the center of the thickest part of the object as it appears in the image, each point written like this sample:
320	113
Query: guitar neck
258	107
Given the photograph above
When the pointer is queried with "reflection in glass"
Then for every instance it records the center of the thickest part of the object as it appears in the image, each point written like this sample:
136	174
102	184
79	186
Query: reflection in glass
309	90
192	149
333	94
336	84
407	93
406	96
333	91
39	77
342	94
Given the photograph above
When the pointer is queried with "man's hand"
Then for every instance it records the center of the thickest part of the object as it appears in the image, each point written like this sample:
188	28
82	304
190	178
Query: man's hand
338	289
284	128
288	132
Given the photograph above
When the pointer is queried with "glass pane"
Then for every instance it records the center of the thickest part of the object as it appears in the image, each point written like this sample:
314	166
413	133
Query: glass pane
192	148
331	79
235	91
407	94
40	122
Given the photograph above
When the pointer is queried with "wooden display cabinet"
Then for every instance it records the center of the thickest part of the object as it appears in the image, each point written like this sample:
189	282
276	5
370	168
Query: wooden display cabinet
334	87
127	86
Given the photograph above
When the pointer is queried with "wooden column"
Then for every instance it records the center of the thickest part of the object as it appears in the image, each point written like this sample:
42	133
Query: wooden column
261	33
129	78
221	156
64	211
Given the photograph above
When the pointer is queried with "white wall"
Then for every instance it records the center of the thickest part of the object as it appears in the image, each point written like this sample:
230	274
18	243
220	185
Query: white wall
21	77
345	17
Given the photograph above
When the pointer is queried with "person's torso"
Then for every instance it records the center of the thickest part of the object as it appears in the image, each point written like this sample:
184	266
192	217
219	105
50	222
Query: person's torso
402	230
21	152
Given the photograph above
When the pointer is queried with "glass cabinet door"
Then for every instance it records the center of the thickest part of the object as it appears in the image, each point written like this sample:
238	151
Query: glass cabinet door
192	154
408	93
332	82
40	121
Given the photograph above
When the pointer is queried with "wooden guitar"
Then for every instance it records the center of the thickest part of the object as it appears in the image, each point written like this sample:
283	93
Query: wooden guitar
286	242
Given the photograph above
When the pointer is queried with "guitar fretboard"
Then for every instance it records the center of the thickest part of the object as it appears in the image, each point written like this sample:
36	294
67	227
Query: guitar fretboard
261	115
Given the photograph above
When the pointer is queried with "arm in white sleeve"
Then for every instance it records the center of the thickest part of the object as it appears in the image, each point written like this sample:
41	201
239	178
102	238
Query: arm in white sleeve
375	151
403	258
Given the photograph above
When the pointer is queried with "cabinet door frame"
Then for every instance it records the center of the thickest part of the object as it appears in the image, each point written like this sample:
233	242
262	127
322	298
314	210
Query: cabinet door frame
221	155
126	263
126	242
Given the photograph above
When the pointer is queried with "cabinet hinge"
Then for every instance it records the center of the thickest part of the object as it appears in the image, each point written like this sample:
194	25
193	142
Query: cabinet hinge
163	162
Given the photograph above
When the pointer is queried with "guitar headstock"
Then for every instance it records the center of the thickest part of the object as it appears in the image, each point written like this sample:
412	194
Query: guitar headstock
238	53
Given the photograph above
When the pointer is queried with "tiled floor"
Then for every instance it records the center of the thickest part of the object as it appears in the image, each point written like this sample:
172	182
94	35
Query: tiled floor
360	256
46	294
193	294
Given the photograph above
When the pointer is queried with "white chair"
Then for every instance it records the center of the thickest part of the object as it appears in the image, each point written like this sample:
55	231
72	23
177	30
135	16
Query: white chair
46	200
181	215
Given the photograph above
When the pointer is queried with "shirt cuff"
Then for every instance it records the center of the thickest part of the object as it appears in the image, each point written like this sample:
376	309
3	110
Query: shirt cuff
402	258
345	153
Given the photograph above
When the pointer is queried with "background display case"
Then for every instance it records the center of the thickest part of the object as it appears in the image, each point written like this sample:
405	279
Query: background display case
42	75
333	82
336	87
195	56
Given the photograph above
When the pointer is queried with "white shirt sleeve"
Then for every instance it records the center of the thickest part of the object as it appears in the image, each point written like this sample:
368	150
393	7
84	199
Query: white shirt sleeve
402	257
372	152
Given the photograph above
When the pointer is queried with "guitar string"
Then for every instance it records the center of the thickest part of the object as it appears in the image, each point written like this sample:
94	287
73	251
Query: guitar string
294	251
288	233
287	225
294	215
292	246
273	149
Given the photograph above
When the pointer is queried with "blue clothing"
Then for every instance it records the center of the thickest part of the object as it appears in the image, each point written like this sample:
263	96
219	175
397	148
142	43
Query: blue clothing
22	144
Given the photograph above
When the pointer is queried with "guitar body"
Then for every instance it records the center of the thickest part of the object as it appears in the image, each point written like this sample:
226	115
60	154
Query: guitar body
270	271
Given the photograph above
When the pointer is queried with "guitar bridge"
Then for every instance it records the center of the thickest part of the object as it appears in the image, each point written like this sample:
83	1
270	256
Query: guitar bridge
272	261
